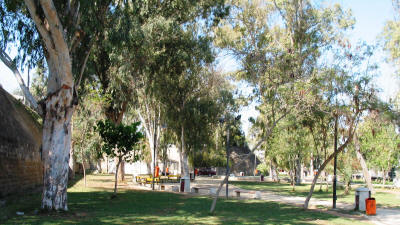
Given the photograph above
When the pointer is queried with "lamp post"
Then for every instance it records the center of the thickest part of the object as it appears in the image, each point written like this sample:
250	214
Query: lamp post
227	161
335	163
222	120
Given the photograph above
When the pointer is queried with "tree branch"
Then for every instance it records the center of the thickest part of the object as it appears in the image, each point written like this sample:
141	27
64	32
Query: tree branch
25	90
56	28
30	4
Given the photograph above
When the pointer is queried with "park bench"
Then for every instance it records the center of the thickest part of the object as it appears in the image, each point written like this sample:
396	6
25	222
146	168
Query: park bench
257	194
146	179
174	178
141	178
163	179
211	190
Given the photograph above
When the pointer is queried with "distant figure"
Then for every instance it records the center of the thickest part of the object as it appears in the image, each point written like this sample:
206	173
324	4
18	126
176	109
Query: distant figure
157	173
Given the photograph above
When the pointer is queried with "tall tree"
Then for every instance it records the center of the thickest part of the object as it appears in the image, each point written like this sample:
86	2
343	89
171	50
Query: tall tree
58	32
379	142
348	90
275	54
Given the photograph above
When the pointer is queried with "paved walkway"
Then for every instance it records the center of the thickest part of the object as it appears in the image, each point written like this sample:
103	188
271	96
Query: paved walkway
384	216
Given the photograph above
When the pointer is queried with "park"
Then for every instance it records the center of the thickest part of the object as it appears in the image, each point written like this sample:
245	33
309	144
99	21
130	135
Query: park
199	112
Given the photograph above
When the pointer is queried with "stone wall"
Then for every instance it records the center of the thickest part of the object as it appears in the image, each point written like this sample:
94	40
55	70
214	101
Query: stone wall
21	168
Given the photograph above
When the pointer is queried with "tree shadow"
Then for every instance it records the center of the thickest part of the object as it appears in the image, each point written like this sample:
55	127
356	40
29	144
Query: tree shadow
96	207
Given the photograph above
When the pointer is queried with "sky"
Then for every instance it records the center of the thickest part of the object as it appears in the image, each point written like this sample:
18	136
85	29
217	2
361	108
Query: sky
370	16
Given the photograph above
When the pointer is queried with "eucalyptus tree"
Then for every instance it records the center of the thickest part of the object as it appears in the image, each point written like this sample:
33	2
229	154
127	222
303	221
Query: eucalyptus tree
86	143
391	35
379	142
59	33
278	43
144	33
347	88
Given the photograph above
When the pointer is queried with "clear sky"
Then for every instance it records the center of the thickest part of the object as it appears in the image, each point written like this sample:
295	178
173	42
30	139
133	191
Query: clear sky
370	16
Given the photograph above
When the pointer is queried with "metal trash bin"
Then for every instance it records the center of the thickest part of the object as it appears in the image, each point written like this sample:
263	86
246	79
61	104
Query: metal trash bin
182	188
185	184
361	195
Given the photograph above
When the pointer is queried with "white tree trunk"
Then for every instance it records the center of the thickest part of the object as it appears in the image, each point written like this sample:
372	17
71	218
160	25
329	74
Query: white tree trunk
58	105
214	202
312	166
56	146
364	167
25	90
71	163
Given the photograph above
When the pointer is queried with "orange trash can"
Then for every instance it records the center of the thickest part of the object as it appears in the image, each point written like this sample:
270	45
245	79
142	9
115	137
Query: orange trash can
370	206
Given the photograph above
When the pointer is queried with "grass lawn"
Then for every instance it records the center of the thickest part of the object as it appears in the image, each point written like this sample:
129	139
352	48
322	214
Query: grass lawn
383	199
93	205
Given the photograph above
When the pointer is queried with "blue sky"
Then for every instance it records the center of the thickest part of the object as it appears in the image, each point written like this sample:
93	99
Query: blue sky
370	16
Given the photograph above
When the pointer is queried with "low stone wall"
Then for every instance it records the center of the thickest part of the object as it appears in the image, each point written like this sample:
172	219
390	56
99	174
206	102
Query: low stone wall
21	167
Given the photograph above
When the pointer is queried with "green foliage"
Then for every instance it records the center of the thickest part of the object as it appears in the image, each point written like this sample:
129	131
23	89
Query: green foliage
120	140
38	88
379	142
263	168
86	142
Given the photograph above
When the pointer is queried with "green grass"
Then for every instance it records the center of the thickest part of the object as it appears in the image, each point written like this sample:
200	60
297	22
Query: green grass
383	199
94	206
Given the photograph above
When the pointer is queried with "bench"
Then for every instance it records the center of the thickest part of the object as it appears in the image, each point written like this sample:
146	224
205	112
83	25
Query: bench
211	190
257	194
174	178
146	179
142	178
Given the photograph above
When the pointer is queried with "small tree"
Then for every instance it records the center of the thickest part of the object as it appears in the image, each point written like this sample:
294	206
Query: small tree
120	141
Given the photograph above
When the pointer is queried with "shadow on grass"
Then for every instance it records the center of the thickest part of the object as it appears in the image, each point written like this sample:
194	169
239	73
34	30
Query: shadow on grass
145	207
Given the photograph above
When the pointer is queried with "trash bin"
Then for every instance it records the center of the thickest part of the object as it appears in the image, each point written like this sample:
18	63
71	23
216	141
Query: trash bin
370	204
185	184
360	196
182	185
262	178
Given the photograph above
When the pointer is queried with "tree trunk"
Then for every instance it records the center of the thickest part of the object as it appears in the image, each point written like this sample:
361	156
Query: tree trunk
274	172
364	167
71	163
25	90
347	189
326	182
185	161
116	178
214	203
121	171
84	172
384	178
312	165
56	148
297	170
292	174
321	168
